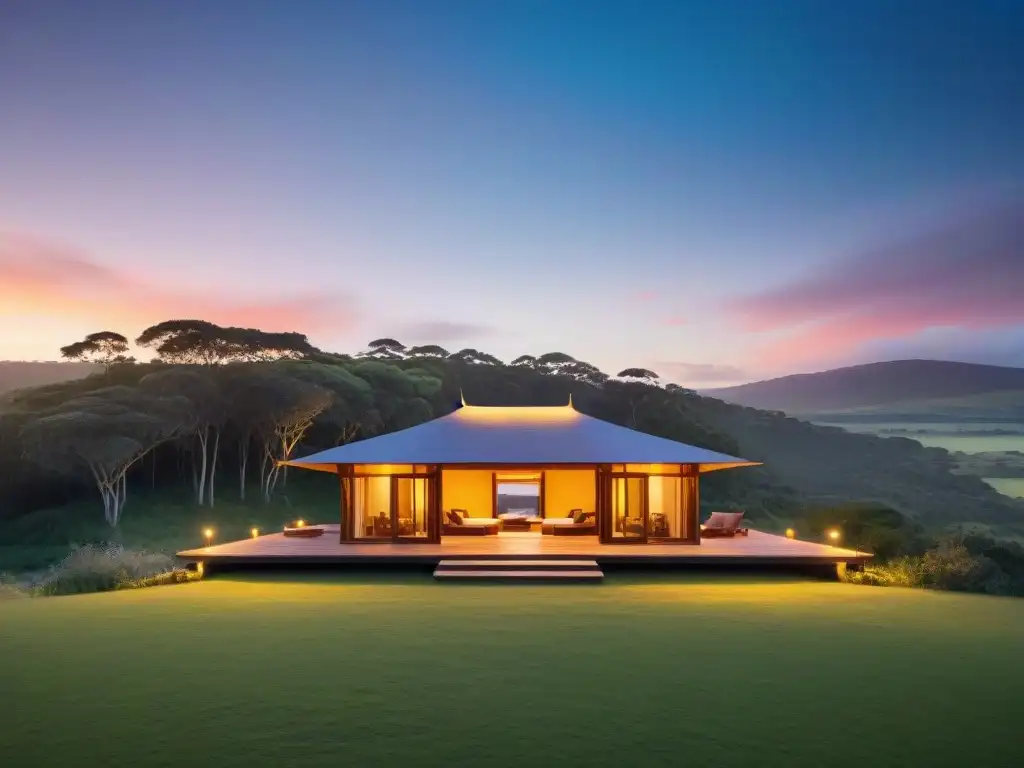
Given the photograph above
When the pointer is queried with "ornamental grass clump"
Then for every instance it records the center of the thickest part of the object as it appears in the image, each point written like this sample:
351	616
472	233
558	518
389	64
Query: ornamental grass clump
101	568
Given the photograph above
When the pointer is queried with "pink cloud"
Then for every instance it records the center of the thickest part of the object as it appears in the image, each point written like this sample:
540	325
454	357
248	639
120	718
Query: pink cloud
643	297
673	321
38	276
967	274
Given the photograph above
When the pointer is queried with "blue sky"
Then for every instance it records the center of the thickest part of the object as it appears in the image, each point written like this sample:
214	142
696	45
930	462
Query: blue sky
631	183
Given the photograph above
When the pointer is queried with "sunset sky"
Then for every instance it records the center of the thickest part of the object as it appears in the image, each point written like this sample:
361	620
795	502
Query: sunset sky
720	191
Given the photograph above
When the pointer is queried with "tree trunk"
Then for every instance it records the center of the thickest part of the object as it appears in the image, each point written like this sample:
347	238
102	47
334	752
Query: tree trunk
152	479
204	436
243	460
213	464
122	493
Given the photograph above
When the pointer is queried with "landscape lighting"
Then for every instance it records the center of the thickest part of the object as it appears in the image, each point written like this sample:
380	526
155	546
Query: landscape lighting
790	533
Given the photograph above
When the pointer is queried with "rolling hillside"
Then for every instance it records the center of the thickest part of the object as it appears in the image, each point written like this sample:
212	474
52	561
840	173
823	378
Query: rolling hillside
879	386
19	374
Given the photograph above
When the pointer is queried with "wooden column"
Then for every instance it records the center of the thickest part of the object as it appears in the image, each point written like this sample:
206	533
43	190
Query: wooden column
435	513
345	501
693	470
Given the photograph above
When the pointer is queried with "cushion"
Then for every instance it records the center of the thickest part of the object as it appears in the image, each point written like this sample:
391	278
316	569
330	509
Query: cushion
576	514
454	517
584	518
723	520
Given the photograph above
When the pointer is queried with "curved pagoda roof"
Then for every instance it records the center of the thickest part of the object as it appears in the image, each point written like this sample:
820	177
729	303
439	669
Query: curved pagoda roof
539	435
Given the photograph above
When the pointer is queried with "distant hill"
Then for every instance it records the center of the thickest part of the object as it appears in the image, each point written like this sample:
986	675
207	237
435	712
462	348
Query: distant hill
18	374
873	385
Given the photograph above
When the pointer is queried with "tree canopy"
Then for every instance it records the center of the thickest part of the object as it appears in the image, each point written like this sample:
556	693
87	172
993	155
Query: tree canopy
104	347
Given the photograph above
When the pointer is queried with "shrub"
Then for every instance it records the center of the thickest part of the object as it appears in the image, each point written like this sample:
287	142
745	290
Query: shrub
11	591
97	569
950	566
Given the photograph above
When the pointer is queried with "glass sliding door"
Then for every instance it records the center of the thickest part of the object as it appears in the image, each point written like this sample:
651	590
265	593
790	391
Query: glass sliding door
371	507
628	508
410	513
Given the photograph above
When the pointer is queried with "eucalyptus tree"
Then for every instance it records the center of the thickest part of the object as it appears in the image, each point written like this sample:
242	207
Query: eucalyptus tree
428	350
385	349
200	342
639	376
104	433
105	348
293	407
204	390
471	356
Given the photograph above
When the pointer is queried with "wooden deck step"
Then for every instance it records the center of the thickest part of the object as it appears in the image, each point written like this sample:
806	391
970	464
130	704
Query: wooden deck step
530	564
499	574
498	569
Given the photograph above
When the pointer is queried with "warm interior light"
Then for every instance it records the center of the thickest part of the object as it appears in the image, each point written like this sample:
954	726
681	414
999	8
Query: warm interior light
300	523
790	533
517	414
834	534
255	532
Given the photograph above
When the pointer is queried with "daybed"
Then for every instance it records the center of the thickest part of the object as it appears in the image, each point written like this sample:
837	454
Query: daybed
579	524
456	523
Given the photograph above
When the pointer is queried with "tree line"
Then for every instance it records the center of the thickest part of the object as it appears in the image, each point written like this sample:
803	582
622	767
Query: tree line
219	397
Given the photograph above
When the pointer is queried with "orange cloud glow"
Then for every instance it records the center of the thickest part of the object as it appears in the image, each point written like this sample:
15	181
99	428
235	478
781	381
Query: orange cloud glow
58	282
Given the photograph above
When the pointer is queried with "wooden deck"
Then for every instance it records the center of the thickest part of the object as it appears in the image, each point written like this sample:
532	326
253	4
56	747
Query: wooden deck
755	549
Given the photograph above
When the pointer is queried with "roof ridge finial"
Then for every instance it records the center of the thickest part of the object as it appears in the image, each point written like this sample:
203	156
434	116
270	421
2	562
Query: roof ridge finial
570	399
462	397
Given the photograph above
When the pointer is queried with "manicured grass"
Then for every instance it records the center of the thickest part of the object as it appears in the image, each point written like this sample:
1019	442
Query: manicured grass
342	671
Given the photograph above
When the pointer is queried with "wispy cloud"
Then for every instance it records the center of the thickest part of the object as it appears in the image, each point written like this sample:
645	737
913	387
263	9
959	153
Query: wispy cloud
43	277
966	274
443	332
686	374
673	321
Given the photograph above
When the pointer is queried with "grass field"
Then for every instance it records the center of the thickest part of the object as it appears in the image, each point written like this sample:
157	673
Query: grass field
400	671
943	435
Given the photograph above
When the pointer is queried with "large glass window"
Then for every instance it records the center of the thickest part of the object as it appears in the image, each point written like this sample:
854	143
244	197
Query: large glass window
519	497
371	507
411	502
672	506
628	508
663	494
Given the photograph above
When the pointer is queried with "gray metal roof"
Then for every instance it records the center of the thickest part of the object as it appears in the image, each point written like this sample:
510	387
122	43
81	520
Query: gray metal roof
477	434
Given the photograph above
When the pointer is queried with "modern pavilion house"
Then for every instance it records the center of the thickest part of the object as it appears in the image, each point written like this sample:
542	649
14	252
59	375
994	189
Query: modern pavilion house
589	478
519	491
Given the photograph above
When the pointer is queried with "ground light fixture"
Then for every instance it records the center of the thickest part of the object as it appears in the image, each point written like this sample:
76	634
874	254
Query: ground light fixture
833	534
300	523
255	532
790	533
208	535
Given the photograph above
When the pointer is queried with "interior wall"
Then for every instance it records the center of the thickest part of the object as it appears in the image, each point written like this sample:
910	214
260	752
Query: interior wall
468	489
568	489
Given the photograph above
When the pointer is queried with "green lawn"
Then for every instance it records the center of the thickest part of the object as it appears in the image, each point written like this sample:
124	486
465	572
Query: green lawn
395	670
